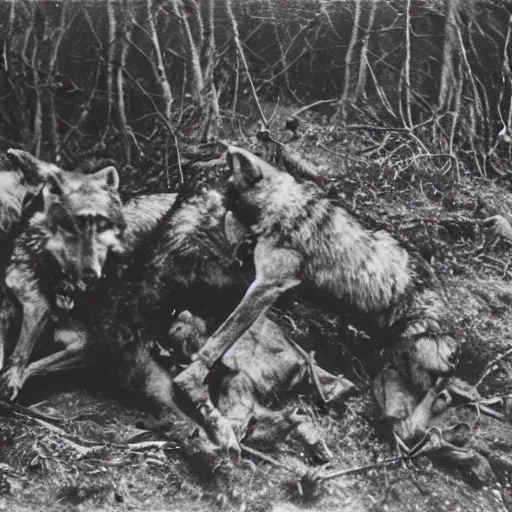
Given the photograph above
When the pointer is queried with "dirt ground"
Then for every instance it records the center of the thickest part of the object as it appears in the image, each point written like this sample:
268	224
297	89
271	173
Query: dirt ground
96	459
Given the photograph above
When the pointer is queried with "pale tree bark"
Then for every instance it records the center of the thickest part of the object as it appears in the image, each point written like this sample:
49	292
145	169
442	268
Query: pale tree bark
124	128
159	67
194	61
37	132
341	110
211	125
407	64
447	72
363	56
55	139
196	11
111	50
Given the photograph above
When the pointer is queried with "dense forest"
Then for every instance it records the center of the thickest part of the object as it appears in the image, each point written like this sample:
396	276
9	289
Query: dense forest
405	109
414	79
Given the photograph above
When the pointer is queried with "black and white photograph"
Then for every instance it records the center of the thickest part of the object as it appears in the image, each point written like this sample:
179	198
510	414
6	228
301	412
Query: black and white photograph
256	255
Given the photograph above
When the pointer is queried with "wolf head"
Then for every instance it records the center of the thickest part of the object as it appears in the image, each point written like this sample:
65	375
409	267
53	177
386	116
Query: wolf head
253	185
83	217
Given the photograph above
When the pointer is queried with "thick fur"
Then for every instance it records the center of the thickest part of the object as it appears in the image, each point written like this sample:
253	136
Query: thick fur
83	220
21	180
65	245
19	186
187	262
37	285
303	237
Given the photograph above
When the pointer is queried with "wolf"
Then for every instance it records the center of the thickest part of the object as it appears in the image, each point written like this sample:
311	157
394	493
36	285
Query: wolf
186	262
302	237
20	184
263	368
64	250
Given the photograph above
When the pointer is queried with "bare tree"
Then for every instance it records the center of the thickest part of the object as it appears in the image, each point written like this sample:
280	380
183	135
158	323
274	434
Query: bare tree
159	67
193	59
341	110
111	51
127	25
37	132
52	65
447	72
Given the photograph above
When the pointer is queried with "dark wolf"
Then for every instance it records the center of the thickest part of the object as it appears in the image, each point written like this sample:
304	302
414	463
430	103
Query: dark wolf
64	249
304	237
185	263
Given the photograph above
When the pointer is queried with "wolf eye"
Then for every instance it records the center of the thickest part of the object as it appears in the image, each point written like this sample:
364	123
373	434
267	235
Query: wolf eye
103	225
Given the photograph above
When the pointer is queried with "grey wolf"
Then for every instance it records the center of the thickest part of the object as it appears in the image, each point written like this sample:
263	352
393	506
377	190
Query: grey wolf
263	368
64	250
20	184
185	261
20	187
303	237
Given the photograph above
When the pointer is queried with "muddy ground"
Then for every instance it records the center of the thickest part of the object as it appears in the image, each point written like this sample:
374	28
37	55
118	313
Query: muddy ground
96	459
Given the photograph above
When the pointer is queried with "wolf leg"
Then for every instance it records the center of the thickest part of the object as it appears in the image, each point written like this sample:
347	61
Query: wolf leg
35	317
140	373
276	272
74	355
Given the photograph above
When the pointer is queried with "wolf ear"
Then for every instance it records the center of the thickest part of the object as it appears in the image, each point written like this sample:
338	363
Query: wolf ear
234	229
107	177
245	163
35	171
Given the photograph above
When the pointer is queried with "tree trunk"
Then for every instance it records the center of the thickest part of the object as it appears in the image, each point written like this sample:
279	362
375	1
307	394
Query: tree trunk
55	138
111	48
121	106
193	53
161	76
341	110
447	74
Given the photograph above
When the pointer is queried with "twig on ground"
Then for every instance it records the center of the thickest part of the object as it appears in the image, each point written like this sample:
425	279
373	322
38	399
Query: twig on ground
26	411
269	459
147	444
312	105
492	365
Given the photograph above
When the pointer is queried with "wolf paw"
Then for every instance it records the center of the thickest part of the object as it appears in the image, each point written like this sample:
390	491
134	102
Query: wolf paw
220	431
11	382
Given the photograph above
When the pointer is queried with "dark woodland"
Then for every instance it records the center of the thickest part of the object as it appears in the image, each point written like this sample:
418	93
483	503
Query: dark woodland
404	107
